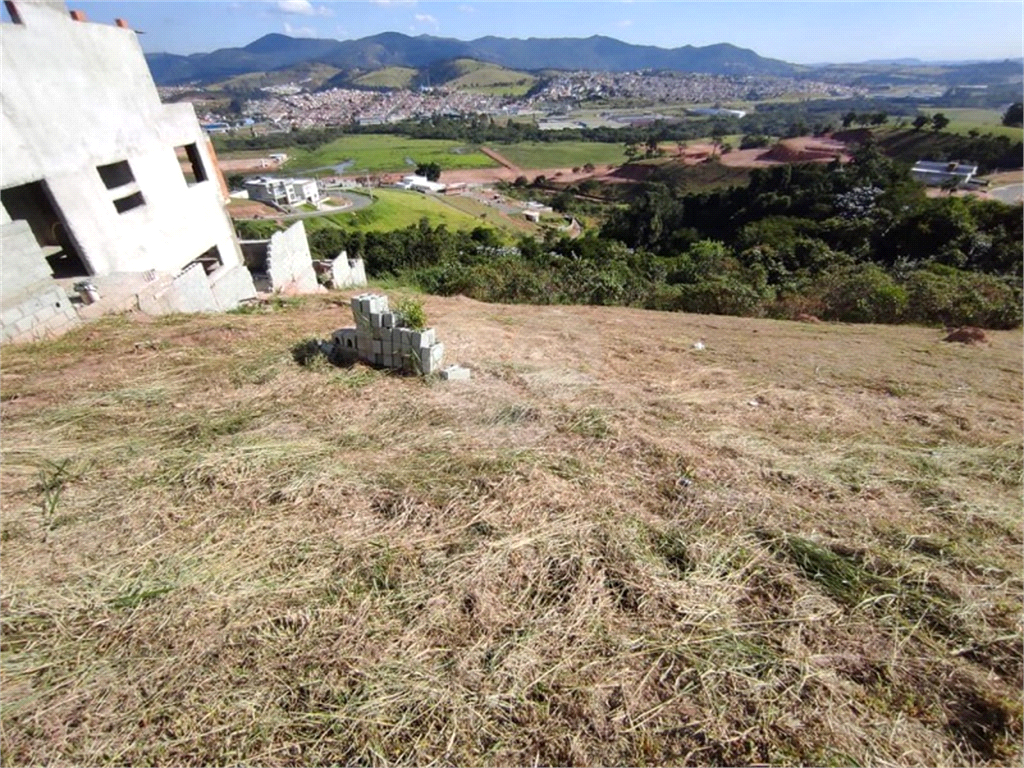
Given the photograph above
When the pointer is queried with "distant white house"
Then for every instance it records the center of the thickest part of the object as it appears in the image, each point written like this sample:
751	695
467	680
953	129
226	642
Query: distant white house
279	157
283	191
935	174
420	184
716	112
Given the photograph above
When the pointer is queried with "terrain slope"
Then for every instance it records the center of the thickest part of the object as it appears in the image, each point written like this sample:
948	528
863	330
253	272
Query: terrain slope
798	544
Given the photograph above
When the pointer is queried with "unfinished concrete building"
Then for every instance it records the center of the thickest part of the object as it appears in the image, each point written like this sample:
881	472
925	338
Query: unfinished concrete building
284	264
92	183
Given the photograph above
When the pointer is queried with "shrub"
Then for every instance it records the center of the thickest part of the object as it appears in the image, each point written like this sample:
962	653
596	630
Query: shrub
861	293
412	314
951	297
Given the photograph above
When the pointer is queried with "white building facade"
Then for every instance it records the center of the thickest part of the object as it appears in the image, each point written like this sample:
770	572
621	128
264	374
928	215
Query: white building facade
283	192
93	176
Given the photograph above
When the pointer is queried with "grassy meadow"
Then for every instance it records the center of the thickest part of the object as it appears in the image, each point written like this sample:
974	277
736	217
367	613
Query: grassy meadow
800	544
963	119
562	154
383	153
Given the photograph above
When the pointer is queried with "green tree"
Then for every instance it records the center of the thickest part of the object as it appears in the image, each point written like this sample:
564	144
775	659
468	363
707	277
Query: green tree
1014	115
235	181
848	118
939	121
431	170
920	122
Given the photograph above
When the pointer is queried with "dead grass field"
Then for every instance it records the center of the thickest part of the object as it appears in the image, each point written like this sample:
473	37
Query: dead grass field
799	545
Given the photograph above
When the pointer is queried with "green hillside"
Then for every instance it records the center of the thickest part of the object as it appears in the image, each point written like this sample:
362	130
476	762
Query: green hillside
480	77
383	153
389	77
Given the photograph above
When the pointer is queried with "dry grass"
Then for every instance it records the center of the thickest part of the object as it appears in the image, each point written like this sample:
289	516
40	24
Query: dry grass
801	544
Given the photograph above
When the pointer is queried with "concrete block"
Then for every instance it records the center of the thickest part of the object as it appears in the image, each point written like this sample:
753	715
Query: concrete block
44	313
378	347
422	339
378	360
11	316
430	358
24	324
456	373
387	319
375	321
388	360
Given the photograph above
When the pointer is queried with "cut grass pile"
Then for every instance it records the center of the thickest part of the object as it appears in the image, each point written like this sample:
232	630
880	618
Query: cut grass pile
380	153
562	154
800	545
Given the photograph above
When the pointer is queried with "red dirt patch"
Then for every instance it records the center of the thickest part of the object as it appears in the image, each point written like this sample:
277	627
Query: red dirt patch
967	335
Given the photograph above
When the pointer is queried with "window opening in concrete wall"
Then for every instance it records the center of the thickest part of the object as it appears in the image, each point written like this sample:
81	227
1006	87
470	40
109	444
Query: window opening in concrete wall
34	204
210	259
133	200
9	14
116	175
195	160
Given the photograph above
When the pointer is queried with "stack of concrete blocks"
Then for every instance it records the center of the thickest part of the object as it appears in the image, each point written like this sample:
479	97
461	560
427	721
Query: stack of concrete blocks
379	339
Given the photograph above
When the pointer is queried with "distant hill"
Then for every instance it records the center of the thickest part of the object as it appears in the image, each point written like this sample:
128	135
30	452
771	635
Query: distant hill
392	49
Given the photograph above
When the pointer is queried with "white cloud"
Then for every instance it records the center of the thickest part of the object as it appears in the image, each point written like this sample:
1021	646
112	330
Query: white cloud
299	31
625	23
426	18
301	8
467	9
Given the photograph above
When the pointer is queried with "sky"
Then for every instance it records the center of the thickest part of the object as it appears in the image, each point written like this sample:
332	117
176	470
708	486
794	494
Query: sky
799	32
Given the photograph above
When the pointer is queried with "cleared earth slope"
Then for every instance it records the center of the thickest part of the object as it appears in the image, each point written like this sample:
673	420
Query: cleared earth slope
799	544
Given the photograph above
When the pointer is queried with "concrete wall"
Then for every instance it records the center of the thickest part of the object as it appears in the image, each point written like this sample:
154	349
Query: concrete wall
190	291
77	95
32	305
38	316
346	272
232	285
289	262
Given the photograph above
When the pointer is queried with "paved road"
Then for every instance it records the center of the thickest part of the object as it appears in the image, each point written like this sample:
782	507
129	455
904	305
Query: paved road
1011	194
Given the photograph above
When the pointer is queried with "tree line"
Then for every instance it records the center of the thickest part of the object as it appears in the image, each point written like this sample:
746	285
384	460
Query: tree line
858	243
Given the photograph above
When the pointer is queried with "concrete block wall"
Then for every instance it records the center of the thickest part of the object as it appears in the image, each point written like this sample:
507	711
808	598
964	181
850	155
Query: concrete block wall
231	285
42	315
24	264
190	291
380	339
289	262
32	305
346	272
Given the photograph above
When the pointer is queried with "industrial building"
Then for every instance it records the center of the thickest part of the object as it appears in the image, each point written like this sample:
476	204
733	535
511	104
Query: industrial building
102	182
936	174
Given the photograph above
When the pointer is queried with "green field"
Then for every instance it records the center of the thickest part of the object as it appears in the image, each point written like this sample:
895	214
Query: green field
397	208
964	119
389	77
562	154
377	153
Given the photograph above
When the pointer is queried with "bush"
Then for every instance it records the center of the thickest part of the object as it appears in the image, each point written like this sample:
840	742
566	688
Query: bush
860	293
412	314
950	297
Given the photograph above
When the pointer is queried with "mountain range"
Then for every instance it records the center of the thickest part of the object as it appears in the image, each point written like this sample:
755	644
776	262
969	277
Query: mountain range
277	51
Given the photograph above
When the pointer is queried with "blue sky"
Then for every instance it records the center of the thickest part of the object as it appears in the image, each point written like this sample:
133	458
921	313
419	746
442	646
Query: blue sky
802	32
